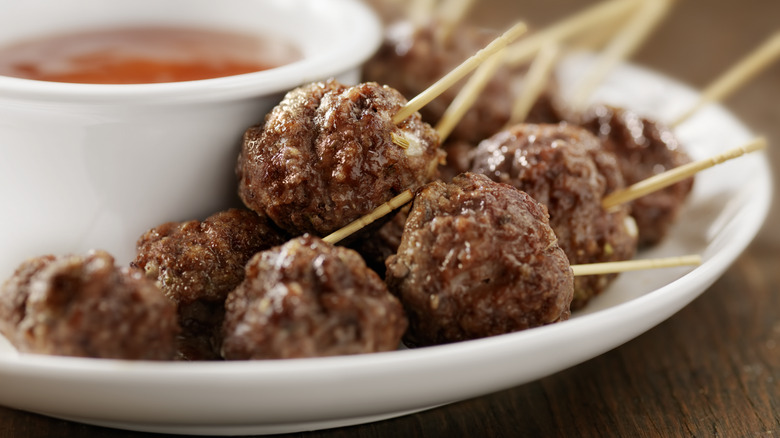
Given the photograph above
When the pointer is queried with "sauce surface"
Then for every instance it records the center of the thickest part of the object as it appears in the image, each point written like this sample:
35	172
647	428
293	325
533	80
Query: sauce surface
142	55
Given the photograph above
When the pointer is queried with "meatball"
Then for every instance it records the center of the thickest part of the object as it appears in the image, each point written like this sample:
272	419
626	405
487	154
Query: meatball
308	298
643	148
86	306
325	156
197	264
376	245
14	294
413	58
565	168
478	258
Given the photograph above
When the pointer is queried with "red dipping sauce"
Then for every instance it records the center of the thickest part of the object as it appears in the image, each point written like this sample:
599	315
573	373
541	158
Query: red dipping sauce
143	55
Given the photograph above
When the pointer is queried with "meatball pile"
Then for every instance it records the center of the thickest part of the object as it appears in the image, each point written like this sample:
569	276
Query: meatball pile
326	156
309	298
412	58
565	168
197	264
476	259
482	252
643	148
83	305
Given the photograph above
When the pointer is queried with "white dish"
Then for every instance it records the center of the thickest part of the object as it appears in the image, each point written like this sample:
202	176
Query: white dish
96	165
726	210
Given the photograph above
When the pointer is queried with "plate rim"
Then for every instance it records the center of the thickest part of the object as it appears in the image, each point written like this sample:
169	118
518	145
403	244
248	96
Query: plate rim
372	366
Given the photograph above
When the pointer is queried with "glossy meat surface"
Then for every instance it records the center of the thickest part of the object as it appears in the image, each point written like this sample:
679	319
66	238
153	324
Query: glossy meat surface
197	264
477	259
565	168
412	58
307	298
85	306
643	148
325	156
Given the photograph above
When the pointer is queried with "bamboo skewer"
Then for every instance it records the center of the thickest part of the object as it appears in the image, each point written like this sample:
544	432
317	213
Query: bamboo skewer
578	23
535	81
736	76
642	188
423	98
459	72
362	222
656	182
634	265
579	270
597	37
468	95
451	14
662	180
420	11
627	41
621	47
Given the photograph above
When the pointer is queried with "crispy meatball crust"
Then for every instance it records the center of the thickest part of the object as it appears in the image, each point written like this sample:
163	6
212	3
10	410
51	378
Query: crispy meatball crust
565	168
325	156
197	264
205	260
307	298
477	259
86	306
643	148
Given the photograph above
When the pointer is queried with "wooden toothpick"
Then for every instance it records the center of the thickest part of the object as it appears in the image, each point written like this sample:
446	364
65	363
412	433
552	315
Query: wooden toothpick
665	179
458	72
362	222
451	13
535	82
468	95
634	265
738	75
607	11
621	47
420	12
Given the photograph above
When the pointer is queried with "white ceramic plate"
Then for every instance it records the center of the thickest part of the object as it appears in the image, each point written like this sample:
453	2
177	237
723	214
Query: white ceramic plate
726	210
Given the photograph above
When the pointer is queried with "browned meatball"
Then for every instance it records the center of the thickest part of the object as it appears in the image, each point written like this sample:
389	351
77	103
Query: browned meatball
197	264
325	156
307	298
643	148
376	245
86	306
565	168
14	294
412	58
478	259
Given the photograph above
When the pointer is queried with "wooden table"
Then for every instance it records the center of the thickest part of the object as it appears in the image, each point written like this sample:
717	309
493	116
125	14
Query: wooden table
713	369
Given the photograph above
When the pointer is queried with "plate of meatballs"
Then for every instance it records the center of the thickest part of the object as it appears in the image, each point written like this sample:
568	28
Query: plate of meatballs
248	321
